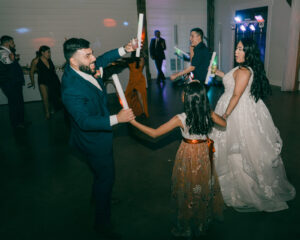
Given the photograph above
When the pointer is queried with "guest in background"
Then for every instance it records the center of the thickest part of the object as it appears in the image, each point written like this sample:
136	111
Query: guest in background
48	81
12	81
157	48
136	92
31	73
200	57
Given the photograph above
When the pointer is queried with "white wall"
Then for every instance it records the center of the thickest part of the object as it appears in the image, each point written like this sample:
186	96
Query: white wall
164	14
276	42
50	22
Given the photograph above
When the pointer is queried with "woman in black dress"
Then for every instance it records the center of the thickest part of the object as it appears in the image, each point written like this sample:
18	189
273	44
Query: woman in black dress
48	81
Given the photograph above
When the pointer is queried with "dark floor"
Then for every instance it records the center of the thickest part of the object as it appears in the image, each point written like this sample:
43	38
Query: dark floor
45	187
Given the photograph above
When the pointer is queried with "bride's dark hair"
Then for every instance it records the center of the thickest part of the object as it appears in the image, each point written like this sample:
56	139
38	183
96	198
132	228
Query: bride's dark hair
260	87
197	109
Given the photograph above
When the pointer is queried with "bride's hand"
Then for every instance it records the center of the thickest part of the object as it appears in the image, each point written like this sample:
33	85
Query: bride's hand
219	73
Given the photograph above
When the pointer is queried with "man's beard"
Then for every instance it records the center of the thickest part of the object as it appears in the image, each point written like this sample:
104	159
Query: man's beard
86	69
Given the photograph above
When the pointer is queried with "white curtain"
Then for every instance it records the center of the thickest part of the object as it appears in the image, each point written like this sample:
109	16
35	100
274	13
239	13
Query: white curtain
288	82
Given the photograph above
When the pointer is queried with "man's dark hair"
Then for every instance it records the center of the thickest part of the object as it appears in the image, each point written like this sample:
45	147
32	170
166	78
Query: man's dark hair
5	39
198	31
74	44
42	49
156	31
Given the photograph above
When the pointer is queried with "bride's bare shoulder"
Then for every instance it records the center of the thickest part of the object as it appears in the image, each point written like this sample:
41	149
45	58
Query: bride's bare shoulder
242	72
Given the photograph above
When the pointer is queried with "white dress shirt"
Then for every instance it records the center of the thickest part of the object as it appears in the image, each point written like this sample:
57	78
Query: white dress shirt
4	55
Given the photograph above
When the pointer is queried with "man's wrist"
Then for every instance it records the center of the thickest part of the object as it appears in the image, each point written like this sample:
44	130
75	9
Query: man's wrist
113	120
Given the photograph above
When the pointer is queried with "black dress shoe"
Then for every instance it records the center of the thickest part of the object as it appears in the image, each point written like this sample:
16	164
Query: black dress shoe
107	233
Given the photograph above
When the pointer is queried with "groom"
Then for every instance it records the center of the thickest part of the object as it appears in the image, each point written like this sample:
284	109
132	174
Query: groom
85	100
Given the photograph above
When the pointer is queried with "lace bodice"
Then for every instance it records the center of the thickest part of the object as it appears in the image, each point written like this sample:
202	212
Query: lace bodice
185	131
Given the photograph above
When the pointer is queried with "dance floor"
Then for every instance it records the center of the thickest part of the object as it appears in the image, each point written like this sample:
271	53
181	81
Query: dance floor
45	186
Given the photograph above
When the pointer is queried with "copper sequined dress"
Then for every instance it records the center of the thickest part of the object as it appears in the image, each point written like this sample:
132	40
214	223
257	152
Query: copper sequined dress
195	191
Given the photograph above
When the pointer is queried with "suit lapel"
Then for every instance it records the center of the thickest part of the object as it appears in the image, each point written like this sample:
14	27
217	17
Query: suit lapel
81	81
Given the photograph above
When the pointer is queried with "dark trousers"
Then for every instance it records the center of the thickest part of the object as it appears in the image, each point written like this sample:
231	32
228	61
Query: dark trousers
104	173
160	74
14	93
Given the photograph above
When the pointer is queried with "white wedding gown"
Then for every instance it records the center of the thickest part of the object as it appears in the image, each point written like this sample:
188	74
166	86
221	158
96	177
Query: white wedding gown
247	157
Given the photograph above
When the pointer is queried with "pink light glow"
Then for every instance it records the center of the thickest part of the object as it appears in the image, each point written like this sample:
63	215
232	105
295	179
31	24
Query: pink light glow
37	42
109	22
259	18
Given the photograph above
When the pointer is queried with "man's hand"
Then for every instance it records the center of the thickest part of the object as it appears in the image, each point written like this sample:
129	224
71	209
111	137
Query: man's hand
125	115
173	76
132	45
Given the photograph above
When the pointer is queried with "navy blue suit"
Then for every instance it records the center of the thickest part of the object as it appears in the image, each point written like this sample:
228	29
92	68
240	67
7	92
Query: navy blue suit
91	132
158	55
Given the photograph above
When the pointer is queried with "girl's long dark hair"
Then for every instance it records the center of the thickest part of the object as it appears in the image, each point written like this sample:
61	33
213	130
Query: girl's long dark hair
260	87
197	109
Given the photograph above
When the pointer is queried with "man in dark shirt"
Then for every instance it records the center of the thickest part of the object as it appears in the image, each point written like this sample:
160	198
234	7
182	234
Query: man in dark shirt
200	57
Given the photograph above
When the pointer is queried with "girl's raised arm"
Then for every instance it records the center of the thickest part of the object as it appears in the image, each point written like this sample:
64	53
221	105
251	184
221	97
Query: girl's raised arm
161	130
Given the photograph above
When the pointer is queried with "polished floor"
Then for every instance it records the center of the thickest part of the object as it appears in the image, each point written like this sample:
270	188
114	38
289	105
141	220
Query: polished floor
45	186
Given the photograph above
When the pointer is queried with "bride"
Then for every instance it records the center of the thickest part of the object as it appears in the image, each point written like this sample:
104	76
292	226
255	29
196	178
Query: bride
247	158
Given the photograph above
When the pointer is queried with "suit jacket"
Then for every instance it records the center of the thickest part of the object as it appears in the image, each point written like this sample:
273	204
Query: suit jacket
87	105
11	72
157	52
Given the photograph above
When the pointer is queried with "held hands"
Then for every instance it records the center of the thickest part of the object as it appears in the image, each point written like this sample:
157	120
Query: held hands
125	115
225	116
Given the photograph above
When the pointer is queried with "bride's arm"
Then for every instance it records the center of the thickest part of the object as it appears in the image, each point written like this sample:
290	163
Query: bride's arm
163	129
241	79
219	73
